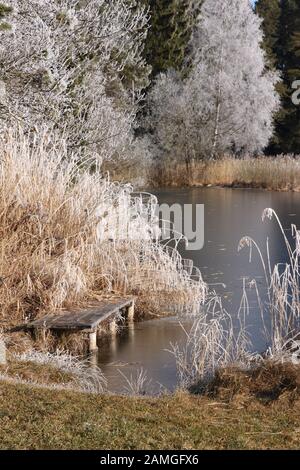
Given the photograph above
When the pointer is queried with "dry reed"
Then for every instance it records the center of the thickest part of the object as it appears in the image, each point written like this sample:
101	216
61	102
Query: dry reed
280	173
136	384
213	344
66	236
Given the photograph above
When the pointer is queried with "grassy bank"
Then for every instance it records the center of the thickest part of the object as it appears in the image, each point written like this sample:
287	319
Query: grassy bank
231	418
280	173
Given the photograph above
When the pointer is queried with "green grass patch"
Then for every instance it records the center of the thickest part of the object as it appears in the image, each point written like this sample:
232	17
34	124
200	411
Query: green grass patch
36	418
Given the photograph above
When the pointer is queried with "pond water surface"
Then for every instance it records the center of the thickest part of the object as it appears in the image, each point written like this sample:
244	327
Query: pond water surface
229	215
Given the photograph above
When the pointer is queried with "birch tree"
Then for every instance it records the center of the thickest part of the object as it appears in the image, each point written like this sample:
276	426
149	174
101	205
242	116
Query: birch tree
77	67
229	98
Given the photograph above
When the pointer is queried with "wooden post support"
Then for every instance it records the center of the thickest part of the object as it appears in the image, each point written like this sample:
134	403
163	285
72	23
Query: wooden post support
93	359
93	342
130	312
43	334
113	327
40	334
2	352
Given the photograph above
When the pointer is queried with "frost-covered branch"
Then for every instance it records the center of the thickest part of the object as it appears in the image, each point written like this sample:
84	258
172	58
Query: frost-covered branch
227	103
77	67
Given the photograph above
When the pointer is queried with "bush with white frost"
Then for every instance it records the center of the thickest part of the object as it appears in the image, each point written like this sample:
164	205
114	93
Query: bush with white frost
86	378
76	67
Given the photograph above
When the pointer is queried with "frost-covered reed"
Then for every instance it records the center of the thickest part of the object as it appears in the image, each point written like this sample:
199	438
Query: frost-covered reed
214	343
2	349
62	242
279	303
136	384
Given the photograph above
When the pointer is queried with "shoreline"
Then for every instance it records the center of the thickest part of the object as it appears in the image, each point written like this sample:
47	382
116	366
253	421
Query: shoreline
222	186
281	173
233	415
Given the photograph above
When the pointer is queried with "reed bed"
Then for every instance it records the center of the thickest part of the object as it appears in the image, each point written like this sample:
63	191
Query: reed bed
280	173
214	343
69	235
279	303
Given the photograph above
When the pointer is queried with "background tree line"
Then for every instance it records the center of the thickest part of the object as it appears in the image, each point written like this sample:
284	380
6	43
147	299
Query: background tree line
281	26
221	98
167	47
153	78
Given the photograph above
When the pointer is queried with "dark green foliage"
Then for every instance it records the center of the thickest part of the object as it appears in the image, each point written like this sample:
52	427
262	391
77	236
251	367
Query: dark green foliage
281	24
5	26
4	12
270	12
133	76
171	23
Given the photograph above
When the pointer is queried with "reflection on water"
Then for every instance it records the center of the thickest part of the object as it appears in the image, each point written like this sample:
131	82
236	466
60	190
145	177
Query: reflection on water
229	215
143	345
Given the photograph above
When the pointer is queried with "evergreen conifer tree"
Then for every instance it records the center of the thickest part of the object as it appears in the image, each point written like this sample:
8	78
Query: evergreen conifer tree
281	24
4	13
171	24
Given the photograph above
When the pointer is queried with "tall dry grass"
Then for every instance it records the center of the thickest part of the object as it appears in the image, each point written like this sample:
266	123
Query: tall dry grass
64	236
279	302
213	343
280	173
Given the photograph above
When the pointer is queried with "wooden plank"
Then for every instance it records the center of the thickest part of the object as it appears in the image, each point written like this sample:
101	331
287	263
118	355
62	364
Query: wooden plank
83	319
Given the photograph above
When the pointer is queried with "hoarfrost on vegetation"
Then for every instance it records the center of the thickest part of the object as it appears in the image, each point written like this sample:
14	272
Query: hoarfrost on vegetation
213	342
62	241
227	102
86	378
63	65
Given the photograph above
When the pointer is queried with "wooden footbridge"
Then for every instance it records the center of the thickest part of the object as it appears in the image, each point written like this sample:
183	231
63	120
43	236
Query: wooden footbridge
88	319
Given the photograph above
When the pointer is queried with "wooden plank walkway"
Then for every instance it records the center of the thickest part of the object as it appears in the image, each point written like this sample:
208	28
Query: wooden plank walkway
87	319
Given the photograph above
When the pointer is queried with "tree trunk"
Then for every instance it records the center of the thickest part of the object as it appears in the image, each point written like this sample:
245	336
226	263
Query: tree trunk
218	109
